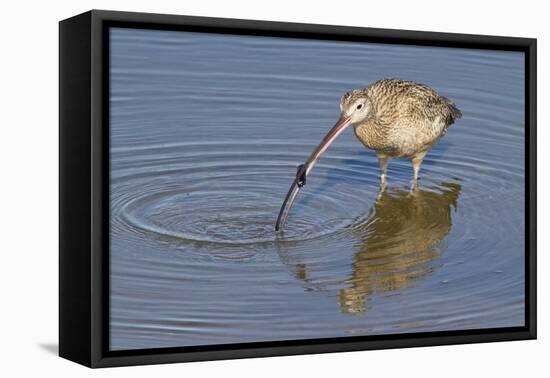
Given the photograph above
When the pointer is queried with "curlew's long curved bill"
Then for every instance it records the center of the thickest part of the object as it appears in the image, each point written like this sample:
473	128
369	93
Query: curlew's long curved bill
304	169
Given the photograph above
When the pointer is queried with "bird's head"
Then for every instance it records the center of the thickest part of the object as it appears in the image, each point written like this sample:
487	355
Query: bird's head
355	105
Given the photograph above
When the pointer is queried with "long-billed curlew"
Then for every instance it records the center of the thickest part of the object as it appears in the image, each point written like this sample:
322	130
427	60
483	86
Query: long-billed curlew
396	118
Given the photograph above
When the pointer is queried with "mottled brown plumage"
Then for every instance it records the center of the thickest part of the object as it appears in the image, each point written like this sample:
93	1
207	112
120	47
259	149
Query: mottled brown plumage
396	118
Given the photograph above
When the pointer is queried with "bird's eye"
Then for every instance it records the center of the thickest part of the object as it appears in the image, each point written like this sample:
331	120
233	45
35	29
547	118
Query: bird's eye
359	106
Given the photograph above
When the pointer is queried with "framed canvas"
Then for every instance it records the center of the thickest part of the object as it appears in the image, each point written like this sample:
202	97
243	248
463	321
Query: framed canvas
188	230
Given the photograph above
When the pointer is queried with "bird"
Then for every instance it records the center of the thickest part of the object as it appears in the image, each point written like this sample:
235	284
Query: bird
396	118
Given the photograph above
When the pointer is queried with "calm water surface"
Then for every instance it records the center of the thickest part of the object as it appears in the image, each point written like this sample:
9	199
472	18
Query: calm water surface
206	132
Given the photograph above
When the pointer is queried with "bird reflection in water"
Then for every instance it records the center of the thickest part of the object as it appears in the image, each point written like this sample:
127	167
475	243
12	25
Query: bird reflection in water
397	244
401	238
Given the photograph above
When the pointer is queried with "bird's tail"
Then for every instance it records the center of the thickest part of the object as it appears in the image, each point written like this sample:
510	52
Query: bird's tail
454	112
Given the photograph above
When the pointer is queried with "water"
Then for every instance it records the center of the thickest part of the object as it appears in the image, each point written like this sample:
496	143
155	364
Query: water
206	132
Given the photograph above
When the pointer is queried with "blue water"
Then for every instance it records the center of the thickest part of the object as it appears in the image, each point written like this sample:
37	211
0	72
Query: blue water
206	132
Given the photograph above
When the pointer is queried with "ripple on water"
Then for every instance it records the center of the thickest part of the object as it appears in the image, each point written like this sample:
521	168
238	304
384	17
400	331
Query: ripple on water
201	216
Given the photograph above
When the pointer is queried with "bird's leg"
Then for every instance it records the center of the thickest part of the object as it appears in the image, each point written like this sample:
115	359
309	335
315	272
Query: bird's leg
416	162
383	159
416	169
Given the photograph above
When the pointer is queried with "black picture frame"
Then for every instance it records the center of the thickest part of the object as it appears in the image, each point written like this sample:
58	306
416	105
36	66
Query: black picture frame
84	205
